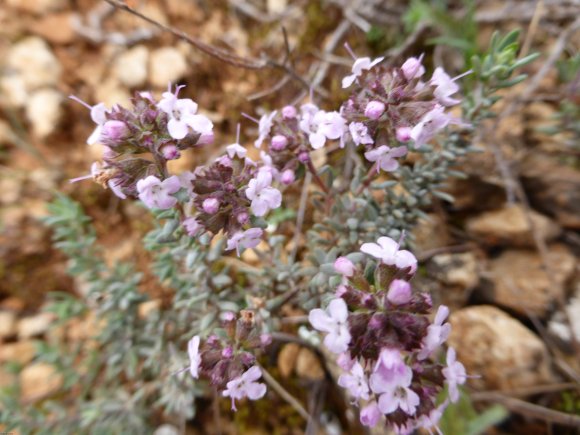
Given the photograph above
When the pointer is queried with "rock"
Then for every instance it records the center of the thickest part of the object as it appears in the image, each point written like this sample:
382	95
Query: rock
276	6
166	65
558	324
553	189
510	226
7	324
430	233
308	365
474	193
287	359
130	67
13	91
34	325
44	111
498	348
39	380
21	352
145	309
34	62
55	28
458	274
38	6
111	92
521	284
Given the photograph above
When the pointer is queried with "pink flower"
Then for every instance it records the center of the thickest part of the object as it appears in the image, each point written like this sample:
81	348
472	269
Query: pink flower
170	152
412	68
156	193
244	240
192	226
437	333
454	374
374	110
194	356
387	250
359	133
430	124
98	112
370	414
264	127
344	361
186	179
321	125
445	86
431	420
182	116
395	392
385	157
287	177
399	292
360	65
114	131
355	382
344	266
264	197
333	321
245	385
289	112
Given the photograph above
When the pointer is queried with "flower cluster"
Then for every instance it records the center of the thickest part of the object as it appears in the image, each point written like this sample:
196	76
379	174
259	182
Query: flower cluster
228	360
393	106
384	342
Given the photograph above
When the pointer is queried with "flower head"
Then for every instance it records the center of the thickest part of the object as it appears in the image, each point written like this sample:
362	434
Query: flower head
334	322
158	194
245	385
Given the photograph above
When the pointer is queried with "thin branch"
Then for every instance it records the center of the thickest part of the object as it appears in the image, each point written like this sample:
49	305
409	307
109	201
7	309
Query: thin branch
284	394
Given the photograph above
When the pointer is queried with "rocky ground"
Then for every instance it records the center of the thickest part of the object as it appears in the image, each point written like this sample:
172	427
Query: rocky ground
507	267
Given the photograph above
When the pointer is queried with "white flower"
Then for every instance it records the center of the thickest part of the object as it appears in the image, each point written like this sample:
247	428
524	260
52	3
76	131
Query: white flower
264	127
334	322
387	250
264	197
182	116
385	157
361	64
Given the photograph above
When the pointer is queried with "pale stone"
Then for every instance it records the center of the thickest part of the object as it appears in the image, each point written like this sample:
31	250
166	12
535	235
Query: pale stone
13	91
44	111
21	352
34	325
39	380
457	275
32	59
111	92
499	349
277	6
287	359
7	324
55	28
559	325
521	284
38	6
511	225
145	309
166	65
308	365
130	67
430	233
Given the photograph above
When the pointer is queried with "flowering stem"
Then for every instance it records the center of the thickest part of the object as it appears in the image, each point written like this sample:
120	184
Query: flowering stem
317	178
371	175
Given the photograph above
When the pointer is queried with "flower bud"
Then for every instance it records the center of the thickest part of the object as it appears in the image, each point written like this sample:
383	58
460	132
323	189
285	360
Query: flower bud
114	131
265	339
412	68
403	134
344	266
399	292
278	143
170	152
228	352
304	157
206	139
243	218
370	415
211	205
289	112
287	177
374	110
340	291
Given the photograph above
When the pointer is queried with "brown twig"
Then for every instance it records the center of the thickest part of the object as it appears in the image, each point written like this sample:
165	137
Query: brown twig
529	409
